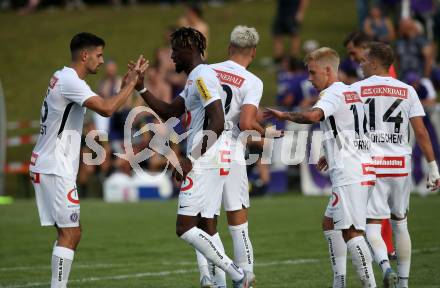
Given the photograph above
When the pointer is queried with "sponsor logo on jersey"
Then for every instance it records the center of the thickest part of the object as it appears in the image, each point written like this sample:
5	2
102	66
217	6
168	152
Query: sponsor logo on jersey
351	97
187	184
384	90
72	196
229	78
389	162
335	199
203	90
53	81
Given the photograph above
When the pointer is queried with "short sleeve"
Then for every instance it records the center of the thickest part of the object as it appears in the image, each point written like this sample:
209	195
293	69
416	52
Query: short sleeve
416	108
208	86
254	94
76	90
329	103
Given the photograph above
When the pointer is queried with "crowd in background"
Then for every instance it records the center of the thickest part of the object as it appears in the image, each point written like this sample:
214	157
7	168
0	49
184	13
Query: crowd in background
412	27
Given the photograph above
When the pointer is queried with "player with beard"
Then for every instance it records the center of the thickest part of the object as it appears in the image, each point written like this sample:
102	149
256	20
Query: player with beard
242	92
55	158
206	164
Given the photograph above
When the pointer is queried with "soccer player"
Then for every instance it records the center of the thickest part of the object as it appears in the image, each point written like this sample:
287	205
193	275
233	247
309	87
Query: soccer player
204	176
341	114
55	158
242	92
355	45
391	106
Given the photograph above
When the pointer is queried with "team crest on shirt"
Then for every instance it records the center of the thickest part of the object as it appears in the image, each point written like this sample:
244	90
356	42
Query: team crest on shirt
74	217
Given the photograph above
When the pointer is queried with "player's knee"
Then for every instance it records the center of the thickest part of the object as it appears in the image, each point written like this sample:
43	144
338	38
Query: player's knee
180	229
397	218
327	224
70	237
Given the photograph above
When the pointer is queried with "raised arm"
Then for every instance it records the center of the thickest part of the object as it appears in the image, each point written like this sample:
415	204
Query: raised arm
106	107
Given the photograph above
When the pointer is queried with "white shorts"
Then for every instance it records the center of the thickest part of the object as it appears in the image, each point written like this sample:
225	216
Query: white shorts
57	200
236	190
390	196
201	192
348	206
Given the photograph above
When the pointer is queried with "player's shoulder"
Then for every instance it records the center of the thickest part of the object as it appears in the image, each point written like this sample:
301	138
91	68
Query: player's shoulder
336	88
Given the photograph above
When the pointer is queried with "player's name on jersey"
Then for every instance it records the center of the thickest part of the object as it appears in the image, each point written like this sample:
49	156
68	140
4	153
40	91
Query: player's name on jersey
362	144
386	138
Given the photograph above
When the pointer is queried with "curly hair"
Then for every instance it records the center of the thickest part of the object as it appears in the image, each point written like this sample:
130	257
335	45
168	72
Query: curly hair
186	37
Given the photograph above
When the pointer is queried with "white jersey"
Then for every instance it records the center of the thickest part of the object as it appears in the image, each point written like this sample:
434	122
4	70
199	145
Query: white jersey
240	87
347	148
201	89
389	105
62	116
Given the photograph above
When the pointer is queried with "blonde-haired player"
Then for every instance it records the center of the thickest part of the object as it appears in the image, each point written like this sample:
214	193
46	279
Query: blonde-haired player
341	116
242	92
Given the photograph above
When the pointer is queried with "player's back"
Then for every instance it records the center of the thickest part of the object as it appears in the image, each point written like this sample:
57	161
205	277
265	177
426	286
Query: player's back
239	87
389	105
346	146
62	115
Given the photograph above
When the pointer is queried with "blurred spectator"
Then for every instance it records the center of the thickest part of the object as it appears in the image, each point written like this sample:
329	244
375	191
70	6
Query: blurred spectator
32	5
166	67
355	44
348	71
194	18
107	87
414	53
423	11
293	89
378	27
424	88
117	3
287	22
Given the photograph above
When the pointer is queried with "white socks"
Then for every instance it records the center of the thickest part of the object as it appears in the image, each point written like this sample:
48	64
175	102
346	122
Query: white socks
62	259
378	246
243	251
338	256
205	244
361	258
403	250
208	269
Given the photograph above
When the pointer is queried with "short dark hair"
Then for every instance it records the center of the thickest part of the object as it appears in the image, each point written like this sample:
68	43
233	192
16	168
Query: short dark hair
358	38
382	52
84	40
186	37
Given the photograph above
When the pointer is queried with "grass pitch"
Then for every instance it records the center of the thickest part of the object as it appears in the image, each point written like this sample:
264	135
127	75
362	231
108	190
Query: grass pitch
134	245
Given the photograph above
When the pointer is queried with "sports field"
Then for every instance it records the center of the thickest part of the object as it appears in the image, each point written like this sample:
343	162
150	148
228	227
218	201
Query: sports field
134	245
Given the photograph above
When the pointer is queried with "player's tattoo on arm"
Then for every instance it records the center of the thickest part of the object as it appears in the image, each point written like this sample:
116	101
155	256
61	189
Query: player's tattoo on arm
307	117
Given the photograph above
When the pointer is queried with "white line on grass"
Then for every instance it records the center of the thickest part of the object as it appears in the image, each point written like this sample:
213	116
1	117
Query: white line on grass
181	271
160	273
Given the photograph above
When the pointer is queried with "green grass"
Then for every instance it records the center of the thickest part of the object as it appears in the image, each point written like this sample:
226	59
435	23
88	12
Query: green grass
137	239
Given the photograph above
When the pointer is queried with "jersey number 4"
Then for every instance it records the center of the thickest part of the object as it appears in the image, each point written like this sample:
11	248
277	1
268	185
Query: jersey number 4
397	120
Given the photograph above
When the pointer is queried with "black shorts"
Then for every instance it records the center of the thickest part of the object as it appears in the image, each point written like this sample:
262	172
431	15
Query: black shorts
285	26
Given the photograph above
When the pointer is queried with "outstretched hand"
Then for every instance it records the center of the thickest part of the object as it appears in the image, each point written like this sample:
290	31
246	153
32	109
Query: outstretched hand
269	113
322	164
